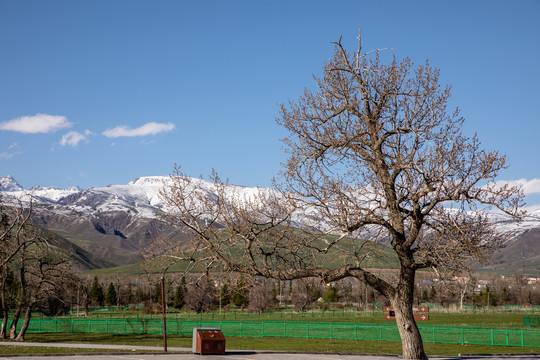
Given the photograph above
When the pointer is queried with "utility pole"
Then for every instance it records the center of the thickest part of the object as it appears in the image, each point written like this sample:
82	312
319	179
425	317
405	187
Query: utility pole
163	313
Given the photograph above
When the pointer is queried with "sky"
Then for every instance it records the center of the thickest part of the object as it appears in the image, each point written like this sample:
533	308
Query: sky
102	92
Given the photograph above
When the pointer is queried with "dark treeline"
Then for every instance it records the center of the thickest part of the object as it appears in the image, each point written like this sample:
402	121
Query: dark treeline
202	293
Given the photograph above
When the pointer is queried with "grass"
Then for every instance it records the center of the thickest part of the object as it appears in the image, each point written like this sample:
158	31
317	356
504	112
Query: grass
483	320
11	350
437	319
380	257
278	344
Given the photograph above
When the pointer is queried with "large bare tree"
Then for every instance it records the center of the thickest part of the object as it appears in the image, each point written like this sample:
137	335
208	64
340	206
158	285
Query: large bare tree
374	155
32	269
14	239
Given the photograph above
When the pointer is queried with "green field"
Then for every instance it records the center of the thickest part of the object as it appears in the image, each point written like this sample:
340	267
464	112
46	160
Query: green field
304	345
484	318
505	324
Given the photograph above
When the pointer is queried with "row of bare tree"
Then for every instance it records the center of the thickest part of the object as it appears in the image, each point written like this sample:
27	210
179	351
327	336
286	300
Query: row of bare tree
34	274
213	291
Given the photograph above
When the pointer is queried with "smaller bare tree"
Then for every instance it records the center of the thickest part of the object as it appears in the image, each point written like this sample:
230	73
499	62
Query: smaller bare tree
305	292
259	297
200	295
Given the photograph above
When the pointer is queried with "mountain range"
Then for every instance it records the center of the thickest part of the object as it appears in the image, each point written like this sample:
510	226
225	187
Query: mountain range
108	226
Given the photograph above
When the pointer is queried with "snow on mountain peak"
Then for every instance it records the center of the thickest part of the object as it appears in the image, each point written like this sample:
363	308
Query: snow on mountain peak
8	183
140	198
148	181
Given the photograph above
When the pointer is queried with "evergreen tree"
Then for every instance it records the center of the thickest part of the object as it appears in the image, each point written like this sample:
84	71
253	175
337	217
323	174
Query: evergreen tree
225	296
111	297
239	298
432	293
330	295
157	293
95	294
179	296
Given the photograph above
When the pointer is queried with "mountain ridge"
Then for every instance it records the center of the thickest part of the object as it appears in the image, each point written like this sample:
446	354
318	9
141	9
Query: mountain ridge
115	222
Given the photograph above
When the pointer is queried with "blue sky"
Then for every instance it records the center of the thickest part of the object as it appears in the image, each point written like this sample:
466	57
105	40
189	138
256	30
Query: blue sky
101	92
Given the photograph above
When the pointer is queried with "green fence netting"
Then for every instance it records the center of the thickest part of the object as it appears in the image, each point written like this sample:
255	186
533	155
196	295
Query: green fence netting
450	335
531	321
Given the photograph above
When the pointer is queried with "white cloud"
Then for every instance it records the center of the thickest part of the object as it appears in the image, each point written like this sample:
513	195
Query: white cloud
6	155
73	138
529	186
151	128
39	123
13	151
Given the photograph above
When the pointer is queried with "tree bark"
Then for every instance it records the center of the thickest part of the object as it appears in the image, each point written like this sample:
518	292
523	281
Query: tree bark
3	331
5	308
13	327
402	302
411	340
25	324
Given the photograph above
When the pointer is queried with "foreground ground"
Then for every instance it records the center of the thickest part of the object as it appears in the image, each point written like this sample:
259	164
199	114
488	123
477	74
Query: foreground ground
115	342
185	354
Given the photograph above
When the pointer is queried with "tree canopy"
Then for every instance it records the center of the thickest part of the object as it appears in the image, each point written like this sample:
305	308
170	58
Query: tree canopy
374	155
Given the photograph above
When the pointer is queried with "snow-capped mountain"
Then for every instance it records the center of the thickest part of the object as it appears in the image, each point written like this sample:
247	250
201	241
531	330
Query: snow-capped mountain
8	183
116	221
113	222
138	198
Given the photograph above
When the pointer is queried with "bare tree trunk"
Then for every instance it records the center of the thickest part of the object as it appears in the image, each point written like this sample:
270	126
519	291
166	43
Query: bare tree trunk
5	312
3	331
25	324
411	340
13	327
462	292
5	309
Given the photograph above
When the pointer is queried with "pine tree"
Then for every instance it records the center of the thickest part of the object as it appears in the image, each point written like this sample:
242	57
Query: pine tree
239	296
179	298
96	293
225	296
110	296
330	295
157	293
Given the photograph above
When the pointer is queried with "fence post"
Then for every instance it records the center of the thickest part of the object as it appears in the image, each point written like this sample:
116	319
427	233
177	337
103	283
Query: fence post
492	339
307	330
331	331
522	339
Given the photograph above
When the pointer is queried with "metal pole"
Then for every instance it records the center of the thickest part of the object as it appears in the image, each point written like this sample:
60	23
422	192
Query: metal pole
163	313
